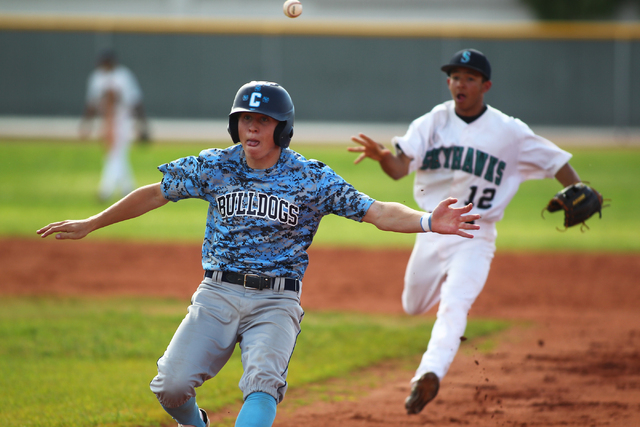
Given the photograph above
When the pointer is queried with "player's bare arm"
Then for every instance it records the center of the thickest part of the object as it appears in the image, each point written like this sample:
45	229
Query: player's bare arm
567	175
136	203
391	216
142	124
109	103
90	112
394	166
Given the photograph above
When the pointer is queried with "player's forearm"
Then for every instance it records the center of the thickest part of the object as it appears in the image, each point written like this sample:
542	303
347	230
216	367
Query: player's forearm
86	121
139	112
444	219
136	203
90	111
567	175
391	216
394	166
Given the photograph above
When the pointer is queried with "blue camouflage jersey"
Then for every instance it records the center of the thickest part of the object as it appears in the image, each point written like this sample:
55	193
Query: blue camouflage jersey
261	221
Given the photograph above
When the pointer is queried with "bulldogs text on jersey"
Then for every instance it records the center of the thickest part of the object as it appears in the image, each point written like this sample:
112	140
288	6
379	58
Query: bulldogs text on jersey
259	205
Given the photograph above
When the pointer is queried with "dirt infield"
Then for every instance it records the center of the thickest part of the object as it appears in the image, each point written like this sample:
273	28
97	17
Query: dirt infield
571	359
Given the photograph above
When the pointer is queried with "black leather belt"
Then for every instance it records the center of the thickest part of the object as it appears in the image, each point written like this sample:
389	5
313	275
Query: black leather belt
255	281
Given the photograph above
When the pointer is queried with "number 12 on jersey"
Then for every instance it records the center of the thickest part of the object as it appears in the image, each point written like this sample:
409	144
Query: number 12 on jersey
484	202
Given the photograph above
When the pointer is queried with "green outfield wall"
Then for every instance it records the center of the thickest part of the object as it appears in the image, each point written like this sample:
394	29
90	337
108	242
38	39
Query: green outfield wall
561	74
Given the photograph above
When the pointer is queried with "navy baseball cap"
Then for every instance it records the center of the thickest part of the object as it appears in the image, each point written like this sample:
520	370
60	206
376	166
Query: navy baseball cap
107	55
469	58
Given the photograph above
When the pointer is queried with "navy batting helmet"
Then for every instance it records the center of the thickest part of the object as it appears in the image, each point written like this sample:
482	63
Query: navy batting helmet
266	98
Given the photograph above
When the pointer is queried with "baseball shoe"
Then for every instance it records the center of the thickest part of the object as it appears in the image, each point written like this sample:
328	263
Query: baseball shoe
423	391
204	416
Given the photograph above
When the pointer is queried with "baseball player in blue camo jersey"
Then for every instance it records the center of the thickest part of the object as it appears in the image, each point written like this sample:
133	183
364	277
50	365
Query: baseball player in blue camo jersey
265	205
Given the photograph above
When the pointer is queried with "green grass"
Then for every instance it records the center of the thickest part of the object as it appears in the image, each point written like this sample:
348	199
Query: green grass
83	362
44	181
88	362
614	173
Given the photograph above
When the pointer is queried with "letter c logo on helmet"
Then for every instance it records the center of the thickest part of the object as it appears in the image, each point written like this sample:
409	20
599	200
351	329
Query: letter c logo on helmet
255	99
266	98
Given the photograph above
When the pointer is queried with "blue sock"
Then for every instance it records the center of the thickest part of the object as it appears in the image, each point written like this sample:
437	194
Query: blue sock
258	410
187	413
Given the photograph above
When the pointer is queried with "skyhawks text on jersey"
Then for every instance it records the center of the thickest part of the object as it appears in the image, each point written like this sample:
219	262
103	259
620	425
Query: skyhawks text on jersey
472	161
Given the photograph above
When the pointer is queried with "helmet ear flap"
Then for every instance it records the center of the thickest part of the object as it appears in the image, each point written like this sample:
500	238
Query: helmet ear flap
282	134
232	128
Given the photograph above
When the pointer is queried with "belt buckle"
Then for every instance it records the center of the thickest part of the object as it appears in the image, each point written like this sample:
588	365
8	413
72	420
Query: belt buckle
254	277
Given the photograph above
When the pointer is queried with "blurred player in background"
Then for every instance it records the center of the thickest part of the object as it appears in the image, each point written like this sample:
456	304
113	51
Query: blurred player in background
468	150
113	93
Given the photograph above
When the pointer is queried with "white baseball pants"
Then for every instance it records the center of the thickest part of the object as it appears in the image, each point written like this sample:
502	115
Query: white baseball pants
452	271
117	174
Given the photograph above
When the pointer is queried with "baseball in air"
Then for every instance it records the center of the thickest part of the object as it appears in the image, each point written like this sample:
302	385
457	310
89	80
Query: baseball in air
292	8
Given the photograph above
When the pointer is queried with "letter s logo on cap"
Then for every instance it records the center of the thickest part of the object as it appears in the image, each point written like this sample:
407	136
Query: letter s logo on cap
466	56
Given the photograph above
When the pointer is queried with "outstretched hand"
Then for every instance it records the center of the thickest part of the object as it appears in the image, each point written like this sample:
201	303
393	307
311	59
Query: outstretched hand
448	220
134	204
66	229
370	148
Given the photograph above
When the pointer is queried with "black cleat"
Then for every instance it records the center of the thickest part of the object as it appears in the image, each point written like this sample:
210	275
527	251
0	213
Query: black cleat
204	417
423	391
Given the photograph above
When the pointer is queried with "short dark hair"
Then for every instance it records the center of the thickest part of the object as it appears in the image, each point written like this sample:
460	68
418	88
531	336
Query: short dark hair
107	56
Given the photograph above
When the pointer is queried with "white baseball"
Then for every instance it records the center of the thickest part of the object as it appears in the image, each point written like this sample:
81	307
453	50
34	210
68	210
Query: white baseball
292	8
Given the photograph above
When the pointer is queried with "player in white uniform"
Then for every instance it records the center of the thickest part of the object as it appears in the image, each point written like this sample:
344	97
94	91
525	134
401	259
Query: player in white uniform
465	149
265	204
113	93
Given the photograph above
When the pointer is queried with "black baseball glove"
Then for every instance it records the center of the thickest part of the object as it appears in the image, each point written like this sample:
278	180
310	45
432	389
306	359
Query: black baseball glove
579	202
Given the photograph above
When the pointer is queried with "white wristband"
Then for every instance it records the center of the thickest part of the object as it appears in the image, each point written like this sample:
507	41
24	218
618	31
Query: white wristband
425	222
